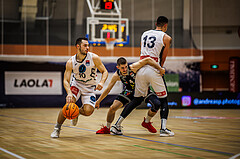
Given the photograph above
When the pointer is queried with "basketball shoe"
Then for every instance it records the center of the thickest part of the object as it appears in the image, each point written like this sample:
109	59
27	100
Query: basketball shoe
149	126
74	121
166	132
103	130
117	130
55	133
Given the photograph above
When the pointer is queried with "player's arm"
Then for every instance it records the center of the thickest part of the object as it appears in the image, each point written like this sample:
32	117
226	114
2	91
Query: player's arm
147	61
66	81
114	79
167	40
98	63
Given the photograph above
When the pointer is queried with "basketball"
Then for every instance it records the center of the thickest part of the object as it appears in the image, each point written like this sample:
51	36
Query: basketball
70	110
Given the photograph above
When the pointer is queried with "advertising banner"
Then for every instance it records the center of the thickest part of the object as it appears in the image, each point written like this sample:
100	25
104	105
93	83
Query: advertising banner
172	82
204	100
234	76
33	83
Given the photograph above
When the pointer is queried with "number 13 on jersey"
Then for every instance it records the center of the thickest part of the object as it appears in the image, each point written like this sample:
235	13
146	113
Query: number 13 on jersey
149	41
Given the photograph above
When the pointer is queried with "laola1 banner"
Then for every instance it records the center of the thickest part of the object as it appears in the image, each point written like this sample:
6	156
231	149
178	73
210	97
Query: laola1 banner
33	83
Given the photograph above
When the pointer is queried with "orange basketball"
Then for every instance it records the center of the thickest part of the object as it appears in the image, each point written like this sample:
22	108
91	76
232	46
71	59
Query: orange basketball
70	110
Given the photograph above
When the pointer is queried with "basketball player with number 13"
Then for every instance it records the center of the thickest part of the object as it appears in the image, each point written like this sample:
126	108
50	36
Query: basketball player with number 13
84	66
154	44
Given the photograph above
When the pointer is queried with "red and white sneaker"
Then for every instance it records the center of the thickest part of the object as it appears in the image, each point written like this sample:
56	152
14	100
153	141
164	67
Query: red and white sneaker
103	130
149	126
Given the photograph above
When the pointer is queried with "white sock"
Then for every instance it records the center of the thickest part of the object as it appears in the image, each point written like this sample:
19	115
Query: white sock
148	119
119	121
108	125
163	123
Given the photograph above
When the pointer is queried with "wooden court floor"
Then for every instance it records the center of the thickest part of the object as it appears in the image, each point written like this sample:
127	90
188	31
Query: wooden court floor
199	133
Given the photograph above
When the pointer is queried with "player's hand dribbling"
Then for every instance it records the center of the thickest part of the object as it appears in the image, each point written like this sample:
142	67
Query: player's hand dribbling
69	98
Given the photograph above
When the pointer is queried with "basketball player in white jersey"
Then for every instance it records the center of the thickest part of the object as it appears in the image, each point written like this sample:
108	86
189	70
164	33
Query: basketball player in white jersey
154	44
83	65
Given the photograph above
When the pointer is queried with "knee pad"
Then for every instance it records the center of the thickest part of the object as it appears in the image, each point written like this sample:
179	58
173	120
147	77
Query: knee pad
154	101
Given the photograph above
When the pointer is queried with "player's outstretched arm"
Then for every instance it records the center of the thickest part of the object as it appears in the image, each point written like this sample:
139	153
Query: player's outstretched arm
98	63
114	79
147	61
66	81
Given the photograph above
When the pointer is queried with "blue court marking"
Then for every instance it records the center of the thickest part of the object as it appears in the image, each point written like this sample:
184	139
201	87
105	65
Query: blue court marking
46	123
189	147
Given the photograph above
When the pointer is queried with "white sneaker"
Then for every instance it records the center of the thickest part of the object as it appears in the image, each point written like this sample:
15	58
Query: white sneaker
117	130
166	132
74	121
55	133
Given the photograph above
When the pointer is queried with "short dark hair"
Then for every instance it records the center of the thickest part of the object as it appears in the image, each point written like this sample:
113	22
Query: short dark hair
161	21
79	40
121	61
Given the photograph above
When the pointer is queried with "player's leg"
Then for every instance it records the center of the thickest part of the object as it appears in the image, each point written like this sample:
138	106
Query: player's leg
86	110
110	117
164	131
88	99
159	87
141	89
122	99
58	125
154	101
111	112
116	128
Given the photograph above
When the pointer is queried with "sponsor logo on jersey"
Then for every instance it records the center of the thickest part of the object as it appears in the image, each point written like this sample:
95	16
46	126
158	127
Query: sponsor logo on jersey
161	93
82	68
74	90
93	98
132	74
87	63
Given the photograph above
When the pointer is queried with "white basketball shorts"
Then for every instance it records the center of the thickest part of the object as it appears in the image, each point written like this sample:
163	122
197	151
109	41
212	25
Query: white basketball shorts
146	76
85	91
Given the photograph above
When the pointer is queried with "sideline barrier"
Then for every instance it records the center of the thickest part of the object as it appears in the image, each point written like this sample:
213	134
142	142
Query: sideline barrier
39	84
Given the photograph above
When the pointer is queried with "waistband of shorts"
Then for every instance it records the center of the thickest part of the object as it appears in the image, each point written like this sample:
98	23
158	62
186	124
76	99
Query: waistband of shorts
154	58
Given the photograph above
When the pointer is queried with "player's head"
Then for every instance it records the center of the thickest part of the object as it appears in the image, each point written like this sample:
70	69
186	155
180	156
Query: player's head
122	65
162	22
82	45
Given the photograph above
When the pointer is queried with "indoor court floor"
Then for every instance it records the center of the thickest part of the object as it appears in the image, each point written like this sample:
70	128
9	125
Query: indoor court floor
199	133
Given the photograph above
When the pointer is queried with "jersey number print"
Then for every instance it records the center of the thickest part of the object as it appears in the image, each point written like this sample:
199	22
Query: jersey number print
151	42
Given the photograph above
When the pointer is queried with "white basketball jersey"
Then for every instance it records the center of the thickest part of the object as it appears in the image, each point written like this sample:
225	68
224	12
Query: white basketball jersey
85	71
152	44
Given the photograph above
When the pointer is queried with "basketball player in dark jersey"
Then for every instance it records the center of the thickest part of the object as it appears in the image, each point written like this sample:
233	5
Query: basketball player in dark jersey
126	74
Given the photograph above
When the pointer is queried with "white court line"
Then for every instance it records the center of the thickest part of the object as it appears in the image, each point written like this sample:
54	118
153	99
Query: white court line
10	153
235	156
